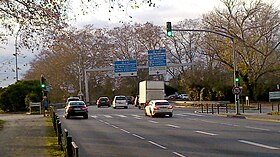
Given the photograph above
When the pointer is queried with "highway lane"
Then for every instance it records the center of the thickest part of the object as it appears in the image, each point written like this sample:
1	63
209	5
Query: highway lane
122	132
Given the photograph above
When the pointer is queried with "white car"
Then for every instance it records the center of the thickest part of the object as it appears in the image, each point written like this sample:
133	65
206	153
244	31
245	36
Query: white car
158	107
120	101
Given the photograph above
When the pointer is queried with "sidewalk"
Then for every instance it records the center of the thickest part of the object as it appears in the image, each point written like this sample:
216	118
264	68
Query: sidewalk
23	136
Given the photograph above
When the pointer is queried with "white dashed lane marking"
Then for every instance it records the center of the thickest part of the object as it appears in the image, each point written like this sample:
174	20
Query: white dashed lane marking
205	133
173	126
158	145
140	137
178	154
258	144
153	121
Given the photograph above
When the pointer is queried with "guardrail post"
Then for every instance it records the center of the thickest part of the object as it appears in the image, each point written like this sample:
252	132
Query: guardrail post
56	130
59	138
212	109
260	108
69	146
218	108
226	108
76	150
272	106
201	108
243	107
207	108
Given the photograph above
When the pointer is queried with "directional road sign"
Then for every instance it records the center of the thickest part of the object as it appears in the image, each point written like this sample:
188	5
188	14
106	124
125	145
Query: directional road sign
125	68
157	61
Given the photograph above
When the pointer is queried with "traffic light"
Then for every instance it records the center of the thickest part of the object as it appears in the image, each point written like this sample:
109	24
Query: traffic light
237	78
169	29
43	82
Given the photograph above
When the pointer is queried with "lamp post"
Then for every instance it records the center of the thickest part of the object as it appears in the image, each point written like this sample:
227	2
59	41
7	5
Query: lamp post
16	54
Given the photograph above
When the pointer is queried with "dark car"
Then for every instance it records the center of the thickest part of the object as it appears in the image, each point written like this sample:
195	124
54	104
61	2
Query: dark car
103	101
129	100
76	108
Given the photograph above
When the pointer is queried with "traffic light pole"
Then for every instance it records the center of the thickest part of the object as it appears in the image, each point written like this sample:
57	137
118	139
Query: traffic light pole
237	100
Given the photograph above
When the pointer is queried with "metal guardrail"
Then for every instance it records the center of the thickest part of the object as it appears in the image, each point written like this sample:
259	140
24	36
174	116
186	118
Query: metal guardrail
63	138
224	106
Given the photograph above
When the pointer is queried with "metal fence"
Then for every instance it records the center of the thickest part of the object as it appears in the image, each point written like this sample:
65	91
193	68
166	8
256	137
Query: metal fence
63	138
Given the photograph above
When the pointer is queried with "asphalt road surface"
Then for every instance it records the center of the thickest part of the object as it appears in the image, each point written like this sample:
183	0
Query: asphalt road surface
128	133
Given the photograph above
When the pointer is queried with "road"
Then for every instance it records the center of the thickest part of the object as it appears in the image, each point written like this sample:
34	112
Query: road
127	132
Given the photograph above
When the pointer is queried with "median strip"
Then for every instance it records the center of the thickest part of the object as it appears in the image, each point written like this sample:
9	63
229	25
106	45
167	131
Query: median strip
258	144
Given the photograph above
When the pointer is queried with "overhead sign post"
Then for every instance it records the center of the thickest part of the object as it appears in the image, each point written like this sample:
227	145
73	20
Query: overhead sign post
125	68
157	61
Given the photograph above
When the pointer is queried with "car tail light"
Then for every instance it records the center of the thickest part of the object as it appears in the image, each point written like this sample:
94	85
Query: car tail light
84	108
170	107
108	100
70	108
98	101
156	108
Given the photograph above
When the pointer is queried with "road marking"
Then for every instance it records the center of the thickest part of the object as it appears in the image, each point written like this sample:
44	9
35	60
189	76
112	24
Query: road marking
122	116
125	131
101	121
208	121
94	117
206	133
157	144
107	123
173	126
108	116
257	128
178	154
192	119
182	115
258	144
153	121
193	114
142	138
114	126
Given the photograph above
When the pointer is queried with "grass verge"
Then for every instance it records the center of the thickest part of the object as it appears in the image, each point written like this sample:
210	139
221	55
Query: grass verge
52	144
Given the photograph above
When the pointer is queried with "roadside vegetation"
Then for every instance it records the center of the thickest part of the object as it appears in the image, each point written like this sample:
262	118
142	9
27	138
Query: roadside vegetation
52	144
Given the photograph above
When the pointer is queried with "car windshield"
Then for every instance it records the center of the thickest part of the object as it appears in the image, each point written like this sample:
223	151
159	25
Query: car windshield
103	99
73	99
120	98
77	104
161	103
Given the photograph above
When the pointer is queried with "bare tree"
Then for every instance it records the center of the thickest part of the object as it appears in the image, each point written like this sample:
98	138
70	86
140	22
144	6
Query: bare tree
255	26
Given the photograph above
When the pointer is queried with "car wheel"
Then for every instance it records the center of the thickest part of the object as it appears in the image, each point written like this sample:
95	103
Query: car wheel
152	116
67	116
145	112
126	107
85	116
170	114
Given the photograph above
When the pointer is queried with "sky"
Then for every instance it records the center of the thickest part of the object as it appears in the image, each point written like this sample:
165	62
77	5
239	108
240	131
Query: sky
165	10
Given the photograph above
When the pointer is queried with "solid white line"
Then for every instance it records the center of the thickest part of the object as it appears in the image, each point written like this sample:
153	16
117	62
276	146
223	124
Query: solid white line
101	120
125	131
157	145
258	144
206	133
142	138
257	128
178	154
114	126
173	126
153	121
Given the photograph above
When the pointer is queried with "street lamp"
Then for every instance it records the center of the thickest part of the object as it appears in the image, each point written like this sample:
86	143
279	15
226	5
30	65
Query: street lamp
16	54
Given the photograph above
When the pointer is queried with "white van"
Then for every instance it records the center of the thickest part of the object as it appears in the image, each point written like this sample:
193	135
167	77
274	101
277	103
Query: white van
120	101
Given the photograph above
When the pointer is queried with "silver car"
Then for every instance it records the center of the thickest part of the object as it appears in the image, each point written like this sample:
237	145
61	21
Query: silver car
120	101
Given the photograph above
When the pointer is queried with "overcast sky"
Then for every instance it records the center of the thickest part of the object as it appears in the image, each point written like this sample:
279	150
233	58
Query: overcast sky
165	10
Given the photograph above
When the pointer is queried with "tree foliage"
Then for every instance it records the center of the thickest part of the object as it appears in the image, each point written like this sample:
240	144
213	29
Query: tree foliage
255	26
12	98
